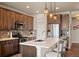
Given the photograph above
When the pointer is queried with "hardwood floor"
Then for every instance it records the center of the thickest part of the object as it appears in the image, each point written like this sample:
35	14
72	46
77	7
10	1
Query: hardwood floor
17	55
74	51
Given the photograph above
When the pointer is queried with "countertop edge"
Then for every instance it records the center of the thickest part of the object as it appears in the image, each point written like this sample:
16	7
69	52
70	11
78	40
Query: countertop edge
4	39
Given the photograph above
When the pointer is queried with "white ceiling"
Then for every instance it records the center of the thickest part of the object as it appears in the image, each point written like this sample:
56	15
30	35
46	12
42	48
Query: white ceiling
39	6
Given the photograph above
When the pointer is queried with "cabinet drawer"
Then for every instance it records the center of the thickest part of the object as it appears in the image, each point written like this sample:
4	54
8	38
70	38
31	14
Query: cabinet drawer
7	42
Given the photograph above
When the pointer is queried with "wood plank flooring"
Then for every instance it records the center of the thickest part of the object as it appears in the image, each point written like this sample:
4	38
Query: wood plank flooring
74	51
17	55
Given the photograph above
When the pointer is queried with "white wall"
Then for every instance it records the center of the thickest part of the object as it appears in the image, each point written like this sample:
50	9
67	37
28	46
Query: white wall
40	26
75	33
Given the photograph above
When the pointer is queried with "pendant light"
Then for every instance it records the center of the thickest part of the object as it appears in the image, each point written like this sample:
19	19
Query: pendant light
46	9
51	14
54	16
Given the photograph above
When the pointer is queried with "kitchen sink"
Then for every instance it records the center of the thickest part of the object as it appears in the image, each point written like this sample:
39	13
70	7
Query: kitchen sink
39	40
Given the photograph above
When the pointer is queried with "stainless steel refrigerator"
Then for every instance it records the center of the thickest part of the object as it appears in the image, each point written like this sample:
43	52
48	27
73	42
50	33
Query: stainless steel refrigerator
54	30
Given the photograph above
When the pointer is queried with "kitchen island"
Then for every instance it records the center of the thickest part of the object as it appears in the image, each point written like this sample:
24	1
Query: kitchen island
37	47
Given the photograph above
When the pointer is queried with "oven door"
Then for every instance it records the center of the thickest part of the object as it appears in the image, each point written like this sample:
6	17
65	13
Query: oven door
22	39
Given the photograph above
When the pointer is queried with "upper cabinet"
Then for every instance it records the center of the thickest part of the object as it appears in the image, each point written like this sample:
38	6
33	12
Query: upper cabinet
25	21
1	18
9	17
65	21
30	23
53	21
12	19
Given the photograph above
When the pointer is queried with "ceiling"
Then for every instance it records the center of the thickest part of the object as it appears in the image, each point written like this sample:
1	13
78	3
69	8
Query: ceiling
39	6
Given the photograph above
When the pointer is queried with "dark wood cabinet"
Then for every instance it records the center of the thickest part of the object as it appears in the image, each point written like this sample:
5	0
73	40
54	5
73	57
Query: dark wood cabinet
25	22
9	47
0	50
53	21
30	23
1	18
29	51
12	19
65	22
15	46
9	17
17	17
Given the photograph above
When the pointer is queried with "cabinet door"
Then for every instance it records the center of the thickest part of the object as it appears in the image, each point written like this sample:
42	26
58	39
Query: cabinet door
16	46
0	50
30	23
25	21
7	19
18	17
49	20
1	18
65	20
21	18
53	21
13	19
7	48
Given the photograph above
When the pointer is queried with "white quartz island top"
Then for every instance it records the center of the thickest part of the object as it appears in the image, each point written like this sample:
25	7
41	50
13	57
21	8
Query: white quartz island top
46	43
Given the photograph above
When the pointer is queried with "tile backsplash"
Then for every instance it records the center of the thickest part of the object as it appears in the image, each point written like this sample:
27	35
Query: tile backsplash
4	34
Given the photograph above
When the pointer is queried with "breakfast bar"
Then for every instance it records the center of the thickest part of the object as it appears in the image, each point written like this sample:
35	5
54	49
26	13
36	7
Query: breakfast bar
42	46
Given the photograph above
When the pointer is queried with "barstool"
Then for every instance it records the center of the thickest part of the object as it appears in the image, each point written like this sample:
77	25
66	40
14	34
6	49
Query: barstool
65	45
63	48
57	52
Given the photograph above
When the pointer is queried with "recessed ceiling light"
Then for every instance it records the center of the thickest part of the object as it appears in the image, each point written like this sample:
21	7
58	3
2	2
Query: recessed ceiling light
57	8
27	6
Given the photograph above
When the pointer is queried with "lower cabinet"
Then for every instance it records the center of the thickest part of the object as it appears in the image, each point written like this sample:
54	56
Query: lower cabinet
9	47
28	51
15	46
0	49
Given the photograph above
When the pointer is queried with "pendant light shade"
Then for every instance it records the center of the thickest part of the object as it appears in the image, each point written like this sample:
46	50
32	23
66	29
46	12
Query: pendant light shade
54	16
46	9
51	14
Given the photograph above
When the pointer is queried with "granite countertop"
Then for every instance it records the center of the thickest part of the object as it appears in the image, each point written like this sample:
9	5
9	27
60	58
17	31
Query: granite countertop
28	35
3	39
